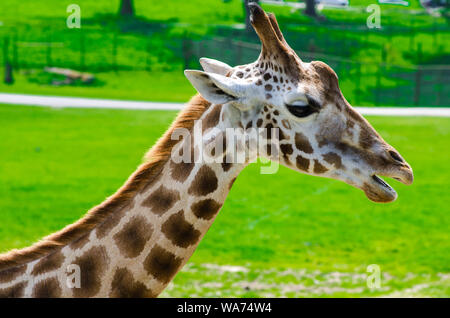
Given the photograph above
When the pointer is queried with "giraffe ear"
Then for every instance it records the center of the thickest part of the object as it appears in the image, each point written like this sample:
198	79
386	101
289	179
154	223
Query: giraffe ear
214	66
216	88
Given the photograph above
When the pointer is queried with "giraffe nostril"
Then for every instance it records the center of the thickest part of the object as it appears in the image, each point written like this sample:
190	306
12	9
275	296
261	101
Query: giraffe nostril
396	156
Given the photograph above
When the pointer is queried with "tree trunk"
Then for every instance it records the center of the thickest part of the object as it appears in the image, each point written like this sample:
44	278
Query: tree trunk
126	8
8	74
311	8
248	25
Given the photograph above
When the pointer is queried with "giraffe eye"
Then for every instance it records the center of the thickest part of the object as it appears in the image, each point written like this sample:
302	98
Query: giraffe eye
303	107
301	111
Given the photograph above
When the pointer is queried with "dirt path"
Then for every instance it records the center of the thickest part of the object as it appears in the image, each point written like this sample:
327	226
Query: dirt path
81	102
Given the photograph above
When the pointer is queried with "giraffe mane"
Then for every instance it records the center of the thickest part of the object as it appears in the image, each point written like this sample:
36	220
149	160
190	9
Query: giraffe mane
145	174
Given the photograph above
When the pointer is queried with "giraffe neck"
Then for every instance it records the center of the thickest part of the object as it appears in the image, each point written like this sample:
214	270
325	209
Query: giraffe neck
137	250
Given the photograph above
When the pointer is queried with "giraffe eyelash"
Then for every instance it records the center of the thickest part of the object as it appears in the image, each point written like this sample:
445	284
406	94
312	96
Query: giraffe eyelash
301	111
313	102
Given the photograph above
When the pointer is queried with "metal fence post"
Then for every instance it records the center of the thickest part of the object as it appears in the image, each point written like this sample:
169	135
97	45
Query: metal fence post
417	86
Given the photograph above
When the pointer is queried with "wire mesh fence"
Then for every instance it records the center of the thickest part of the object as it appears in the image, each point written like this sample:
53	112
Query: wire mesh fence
96	50
362	83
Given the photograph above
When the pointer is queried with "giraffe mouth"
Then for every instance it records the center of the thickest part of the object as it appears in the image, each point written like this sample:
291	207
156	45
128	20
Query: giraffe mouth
380	181
378	190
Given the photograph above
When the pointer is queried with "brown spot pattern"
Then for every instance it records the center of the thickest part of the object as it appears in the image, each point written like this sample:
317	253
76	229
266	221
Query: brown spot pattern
204	182
47	288
132	238
334	159
318	168
14	291
302	163
92	267
212	118
125	286
12	273
226	166
161	200
286	124
179	231
206	209
286	149
113	219
162	264
181	171
259	122
48	263
366	138
302	143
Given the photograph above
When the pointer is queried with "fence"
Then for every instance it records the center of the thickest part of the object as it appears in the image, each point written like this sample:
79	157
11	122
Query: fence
95	50
361	83
86	49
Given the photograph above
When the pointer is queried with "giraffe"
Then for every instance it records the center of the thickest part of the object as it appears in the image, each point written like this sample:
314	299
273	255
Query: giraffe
134	243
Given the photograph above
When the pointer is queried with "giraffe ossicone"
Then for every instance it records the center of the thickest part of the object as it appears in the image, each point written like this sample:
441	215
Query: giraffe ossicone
134	243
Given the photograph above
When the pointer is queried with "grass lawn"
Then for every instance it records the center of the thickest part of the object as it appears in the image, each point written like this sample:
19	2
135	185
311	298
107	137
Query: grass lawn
194	11
315	237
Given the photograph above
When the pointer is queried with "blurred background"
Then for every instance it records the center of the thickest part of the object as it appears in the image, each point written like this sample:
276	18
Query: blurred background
315	238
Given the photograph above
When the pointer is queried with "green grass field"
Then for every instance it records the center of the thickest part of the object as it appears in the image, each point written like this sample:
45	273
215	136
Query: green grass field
313	238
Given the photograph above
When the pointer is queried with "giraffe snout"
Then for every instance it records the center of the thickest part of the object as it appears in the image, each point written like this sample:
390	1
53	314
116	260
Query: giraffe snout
404	175
396	167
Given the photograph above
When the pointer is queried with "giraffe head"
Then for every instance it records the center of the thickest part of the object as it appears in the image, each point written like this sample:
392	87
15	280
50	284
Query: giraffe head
319	132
